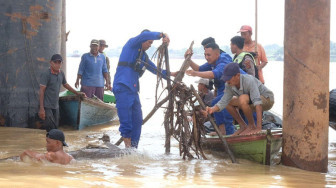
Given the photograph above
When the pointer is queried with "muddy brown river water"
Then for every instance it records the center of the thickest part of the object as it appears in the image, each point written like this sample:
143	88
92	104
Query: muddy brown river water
149	166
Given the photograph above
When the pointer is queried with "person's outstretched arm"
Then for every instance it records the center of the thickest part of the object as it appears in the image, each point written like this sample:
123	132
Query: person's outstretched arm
68	87
41	96
32	154
192	64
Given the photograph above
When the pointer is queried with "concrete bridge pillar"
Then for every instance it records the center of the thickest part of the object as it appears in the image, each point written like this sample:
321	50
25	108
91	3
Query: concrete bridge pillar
306	84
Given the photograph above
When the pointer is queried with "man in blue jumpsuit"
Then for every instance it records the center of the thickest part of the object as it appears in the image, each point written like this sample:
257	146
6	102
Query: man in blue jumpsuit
133	61
213	69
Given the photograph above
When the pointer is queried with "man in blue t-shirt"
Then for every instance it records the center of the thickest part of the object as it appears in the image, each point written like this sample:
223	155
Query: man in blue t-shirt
133	61
92	71
213	69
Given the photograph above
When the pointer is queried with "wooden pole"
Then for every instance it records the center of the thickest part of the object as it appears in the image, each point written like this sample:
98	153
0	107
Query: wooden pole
256	26
226	146
63	39
168	115
184	66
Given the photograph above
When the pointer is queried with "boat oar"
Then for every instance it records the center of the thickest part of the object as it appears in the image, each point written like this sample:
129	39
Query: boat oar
226	146
256	27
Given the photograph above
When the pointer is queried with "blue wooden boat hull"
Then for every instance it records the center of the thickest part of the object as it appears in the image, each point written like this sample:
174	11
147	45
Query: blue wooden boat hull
81	113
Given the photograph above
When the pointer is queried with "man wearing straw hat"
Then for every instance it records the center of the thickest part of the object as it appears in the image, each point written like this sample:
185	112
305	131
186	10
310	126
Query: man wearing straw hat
102	46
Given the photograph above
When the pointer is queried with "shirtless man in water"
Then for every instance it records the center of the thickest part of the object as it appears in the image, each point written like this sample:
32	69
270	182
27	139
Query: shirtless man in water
55	154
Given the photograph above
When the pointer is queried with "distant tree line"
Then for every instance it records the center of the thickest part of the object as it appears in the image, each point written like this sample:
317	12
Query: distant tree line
332	52
274	52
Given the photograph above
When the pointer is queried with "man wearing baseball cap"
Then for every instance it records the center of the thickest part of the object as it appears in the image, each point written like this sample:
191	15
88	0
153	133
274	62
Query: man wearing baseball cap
249	46
92	71
102	46
55	141
247	93
50	84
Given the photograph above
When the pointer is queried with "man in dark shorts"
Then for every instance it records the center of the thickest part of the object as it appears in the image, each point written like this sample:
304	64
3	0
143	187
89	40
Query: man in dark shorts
247	93
50	85
92	71
55	141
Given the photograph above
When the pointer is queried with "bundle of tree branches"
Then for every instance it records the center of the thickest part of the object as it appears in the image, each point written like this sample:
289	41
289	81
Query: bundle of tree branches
186	128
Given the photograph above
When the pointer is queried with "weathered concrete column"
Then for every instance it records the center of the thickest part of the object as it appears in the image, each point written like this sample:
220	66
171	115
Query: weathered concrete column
30	34
63	35
306	84
63	39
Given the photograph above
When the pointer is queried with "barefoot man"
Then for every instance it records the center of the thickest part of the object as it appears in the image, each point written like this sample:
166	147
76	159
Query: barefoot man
55	154
247	93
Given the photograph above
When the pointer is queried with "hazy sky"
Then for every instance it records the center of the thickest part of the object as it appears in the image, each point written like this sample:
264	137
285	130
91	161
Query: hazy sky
184	20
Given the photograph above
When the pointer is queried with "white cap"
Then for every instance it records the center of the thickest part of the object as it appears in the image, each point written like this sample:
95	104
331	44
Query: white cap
203	81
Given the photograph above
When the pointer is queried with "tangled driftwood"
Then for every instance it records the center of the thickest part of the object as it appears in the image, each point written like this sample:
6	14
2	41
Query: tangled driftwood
183	120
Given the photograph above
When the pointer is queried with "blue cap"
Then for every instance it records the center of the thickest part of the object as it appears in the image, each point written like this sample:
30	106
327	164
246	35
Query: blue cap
230	70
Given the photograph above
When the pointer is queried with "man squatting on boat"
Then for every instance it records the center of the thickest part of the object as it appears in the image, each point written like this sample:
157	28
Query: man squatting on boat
247	93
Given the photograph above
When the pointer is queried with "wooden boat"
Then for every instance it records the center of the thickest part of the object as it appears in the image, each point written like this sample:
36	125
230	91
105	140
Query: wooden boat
332	109
261	148
80	113
332	105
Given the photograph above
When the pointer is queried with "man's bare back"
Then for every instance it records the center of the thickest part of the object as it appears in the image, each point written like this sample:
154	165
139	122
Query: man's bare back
59	157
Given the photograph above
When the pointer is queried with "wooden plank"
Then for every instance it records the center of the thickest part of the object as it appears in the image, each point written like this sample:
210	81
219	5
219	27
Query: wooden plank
169	116
268	147
226	147
184	66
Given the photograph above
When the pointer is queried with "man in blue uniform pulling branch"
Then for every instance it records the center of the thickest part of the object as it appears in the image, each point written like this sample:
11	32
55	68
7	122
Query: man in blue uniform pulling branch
133	62
213	69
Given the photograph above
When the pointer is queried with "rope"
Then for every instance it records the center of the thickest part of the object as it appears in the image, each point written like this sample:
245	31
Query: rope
158	71
159	54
